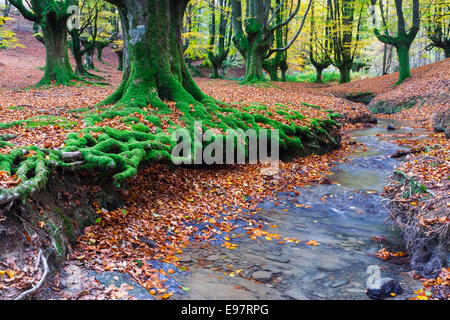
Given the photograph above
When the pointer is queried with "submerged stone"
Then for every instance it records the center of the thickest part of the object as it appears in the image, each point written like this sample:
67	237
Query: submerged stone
385	288
262	276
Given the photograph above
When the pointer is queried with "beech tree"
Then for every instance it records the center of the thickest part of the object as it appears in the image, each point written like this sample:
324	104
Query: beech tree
254	33
279	60
437	25
154	66
404	38
88	12
345	21
52	17
319	42
219	38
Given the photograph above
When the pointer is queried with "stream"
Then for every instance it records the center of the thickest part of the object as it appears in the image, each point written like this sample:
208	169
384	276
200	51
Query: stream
342	217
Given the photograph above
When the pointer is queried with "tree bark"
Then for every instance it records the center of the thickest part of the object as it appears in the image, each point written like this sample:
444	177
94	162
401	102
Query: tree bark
154	65
89	59
57	64
77	52
52	17
318	76
403	62
119	53
344	72
255	43
402	42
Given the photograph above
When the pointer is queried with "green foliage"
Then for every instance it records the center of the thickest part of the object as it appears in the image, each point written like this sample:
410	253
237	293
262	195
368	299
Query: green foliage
310	76
8	38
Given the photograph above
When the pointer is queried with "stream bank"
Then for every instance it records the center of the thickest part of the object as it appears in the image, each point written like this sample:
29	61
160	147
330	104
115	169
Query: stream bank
49	220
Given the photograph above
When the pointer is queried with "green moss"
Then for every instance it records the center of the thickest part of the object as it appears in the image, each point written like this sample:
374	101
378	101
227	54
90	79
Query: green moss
119	153
40	121
79	110
17	108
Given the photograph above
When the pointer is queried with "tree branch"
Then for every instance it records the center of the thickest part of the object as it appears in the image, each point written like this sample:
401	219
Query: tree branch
27	14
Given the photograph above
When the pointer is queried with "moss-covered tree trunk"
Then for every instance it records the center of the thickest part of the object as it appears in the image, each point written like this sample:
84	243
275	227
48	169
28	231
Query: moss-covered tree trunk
319	53
219	45
119	53
57	64
100	46
89	57
318	75
77	52
402	42
79	66
215	69
254	33
284	69
271	67
154	65
255	46
403	61
344	73
52	17
279	61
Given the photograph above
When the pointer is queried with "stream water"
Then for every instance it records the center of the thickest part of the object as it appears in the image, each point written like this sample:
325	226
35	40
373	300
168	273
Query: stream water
343	218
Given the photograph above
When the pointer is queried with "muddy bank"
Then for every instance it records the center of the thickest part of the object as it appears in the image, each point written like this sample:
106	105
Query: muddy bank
424	220
48	221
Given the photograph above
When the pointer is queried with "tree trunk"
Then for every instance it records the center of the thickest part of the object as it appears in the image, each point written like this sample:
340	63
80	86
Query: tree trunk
383	70
89	58
57	64
271	67
77	53
7	9
79	66
155	69
253	48
284	69
318	76
273	74
403	62
215	74
119	53
99	53
254	62
447	52
344	72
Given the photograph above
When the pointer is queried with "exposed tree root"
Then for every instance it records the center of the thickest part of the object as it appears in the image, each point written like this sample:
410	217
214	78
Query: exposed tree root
120	152
42	259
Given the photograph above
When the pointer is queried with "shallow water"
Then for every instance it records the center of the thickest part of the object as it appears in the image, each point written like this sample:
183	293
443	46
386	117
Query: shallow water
342	217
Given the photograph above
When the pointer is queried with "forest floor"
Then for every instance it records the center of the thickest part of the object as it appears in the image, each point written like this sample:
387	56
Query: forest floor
161	199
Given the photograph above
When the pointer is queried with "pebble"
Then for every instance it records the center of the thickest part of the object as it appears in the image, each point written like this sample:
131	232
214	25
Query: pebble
277	258
262	276
339	283
272	268
296	293
186	259
213	258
